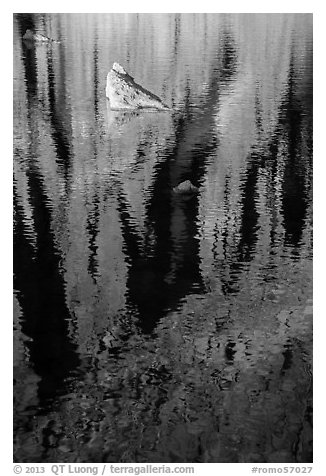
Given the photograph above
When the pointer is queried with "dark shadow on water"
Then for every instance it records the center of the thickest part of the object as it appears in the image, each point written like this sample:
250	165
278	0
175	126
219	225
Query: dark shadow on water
229	54
167	268
24	22
161	274
41	295
59	119
294	191
244	251
292	131
38	281
59	135
92	227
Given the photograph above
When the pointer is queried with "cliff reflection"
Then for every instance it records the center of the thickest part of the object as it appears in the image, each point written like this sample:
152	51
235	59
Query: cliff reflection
298	164
45	315
37	278
148	326
258	145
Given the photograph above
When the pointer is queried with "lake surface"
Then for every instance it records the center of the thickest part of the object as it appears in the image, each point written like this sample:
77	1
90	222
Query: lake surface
151	327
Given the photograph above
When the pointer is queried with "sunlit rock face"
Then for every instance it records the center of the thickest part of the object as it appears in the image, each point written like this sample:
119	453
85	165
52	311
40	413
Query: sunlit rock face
124	93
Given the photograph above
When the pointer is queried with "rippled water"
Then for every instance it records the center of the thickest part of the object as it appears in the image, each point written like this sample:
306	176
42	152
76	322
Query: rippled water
151	327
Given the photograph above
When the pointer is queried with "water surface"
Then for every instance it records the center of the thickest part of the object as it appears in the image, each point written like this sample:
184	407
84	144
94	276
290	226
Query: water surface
151	327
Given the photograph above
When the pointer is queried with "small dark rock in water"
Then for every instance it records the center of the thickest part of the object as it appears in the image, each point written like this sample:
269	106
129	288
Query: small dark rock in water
124	93
185	188
31	36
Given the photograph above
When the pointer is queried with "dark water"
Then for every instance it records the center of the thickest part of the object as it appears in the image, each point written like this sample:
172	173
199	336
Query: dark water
151	327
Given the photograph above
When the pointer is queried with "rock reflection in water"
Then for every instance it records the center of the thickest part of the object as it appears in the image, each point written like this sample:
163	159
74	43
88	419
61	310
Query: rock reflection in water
153	327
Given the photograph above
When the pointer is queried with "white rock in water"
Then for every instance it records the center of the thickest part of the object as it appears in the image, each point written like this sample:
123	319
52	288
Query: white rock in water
185	187
31	36
124	93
